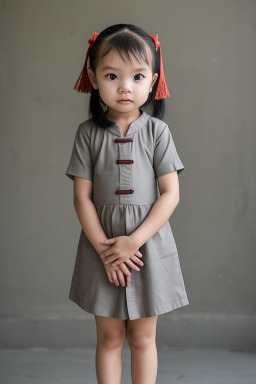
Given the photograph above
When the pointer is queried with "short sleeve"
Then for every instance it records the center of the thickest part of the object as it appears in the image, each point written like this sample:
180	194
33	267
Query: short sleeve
166	158
81	163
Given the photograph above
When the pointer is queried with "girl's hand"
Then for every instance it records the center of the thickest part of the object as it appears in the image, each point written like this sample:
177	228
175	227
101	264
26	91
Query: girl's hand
130	263
117	273
123	248
133	258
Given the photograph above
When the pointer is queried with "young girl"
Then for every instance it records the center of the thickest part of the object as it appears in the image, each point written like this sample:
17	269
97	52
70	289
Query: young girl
125	169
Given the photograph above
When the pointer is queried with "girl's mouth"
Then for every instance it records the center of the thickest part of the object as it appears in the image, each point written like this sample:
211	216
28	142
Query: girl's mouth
124	101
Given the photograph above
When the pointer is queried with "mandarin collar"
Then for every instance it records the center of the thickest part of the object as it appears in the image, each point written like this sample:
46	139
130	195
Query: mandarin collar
135	126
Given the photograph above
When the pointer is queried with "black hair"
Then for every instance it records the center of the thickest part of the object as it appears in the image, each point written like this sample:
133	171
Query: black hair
124	38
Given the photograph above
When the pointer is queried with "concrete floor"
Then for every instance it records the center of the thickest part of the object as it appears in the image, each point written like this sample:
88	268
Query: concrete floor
175	365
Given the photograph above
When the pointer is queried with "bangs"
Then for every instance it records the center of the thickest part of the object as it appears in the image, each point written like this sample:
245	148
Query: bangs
126	43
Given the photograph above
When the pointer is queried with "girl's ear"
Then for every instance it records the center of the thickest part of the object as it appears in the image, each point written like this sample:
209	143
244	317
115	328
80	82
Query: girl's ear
154	80
92	78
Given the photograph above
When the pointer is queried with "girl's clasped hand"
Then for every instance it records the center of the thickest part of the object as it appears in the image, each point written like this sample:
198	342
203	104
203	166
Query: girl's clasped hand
119	254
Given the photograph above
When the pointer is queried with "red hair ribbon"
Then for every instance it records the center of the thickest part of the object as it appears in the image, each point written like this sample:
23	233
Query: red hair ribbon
162	90
83	83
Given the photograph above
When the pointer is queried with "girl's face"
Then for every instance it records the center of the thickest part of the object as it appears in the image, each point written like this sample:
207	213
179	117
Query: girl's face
117	79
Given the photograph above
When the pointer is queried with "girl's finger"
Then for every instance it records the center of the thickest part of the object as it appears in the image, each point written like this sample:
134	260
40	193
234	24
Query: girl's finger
121	277
131	265
124	268
136	260
127	273
115	279
138	253
109	259
117	262
108	241
110	277
104	257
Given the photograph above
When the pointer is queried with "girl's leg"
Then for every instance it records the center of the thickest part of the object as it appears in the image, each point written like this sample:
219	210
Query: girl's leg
111	335
141	336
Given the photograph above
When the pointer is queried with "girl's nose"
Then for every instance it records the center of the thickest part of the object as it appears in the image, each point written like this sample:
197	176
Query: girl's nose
125	87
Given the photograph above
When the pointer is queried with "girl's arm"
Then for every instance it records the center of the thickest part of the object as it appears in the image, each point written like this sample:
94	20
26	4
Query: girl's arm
87	213
161	210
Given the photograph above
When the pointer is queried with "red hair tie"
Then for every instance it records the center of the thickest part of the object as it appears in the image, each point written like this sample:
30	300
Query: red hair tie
162	90
83	83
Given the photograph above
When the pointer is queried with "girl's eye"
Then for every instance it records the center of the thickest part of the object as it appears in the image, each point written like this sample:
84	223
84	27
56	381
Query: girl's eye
110	74
140	75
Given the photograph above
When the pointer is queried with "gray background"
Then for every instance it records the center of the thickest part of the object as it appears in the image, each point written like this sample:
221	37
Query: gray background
208	50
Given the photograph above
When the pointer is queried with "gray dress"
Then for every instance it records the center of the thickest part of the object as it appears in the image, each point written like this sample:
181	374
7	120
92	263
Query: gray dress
124	171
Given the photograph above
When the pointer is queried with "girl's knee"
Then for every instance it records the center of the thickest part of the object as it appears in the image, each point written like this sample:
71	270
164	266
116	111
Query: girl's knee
111	332
111	339
142	333
140	339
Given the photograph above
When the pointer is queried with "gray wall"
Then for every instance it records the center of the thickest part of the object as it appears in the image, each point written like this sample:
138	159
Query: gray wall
209	60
